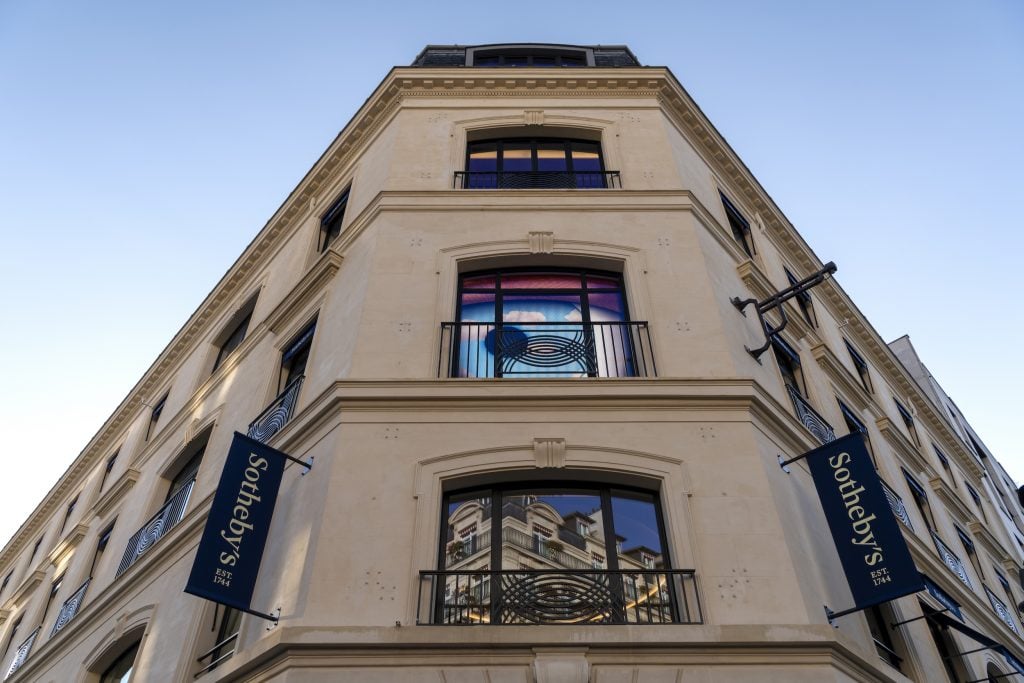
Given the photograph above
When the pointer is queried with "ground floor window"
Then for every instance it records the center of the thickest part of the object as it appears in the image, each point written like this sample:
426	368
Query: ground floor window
558	554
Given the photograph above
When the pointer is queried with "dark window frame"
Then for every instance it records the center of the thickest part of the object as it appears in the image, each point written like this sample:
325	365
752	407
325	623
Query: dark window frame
861	365
803	300
602	489
154	416
499	56
534	143
332	220
233	340
108	468
295	356
790	367
69	511
739	225
908	422
855	424
882	635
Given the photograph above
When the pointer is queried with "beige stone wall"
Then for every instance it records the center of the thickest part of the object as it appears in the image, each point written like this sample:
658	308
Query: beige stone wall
388	436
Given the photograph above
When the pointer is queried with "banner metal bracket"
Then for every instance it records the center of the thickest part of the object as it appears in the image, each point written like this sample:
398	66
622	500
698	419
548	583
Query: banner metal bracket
832	616
923	616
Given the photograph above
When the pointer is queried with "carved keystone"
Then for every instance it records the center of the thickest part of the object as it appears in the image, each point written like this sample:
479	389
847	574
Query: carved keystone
549	452
542	242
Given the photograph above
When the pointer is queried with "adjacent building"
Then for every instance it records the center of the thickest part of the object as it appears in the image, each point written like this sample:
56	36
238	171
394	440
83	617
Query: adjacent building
497	317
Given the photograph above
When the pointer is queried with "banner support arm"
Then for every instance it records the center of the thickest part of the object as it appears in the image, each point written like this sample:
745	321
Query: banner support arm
832	616
989	678
262	615
923	616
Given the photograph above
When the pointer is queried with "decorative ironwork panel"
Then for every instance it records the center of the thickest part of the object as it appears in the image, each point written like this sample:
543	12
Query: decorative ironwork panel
70	608
158	525
22	653
810	418
536	180
541	598
951	560
594	596
898	508
546	349
275	416
1000	608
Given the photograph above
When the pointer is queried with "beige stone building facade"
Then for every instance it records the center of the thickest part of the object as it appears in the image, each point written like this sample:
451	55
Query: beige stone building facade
496	315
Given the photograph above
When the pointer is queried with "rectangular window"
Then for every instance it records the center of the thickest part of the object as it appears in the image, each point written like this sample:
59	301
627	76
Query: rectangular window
972	554
908	422
944	461
7	580
854	425
101	546
803	300
861	365
54	590
740	226
235	337
330	224
108	468
977	500
878	624
789	365
154	417
68	512
186	474
921	500
35	549
14	634
295	357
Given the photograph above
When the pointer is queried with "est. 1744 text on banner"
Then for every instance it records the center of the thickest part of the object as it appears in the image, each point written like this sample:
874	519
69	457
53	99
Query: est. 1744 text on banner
231	549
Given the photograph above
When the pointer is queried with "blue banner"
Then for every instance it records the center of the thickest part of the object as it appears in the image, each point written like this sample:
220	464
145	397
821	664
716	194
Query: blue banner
231	549
873	552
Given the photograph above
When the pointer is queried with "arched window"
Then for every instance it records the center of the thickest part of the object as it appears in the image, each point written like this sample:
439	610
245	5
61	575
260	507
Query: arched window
546	323
120	671
532	163
557	553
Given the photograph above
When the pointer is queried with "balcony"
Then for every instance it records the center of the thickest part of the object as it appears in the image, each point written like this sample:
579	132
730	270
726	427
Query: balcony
536	180
815	423
1000	609
159	524
899	510
22	653
950	559
275	416
592	596
546	349
70	608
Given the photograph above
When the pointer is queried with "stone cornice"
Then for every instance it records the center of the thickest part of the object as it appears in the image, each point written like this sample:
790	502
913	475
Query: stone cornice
26	588
952	501
849	386
991	543
904	447
106	502
68	544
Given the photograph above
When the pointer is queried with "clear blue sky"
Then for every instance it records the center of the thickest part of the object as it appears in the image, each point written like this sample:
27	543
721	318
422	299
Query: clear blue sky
143	145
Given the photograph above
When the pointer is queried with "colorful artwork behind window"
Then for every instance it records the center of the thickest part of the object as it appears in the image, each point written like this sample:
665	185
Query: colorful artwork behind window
534	324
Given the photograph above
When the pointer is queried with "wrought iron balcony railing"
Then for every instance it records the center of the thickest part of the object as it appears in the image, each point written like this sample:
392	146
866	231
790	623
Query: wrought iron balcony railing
546	349
70	608
22	653
951	560
536	180
158	525
815	423
594	596
276	415
896	503
1000	608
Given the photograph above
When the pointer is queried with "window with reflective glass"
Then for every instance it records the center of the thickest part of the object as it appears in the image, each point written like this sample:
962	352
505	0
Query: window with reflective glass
556	555
121	670
521	163
545	323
